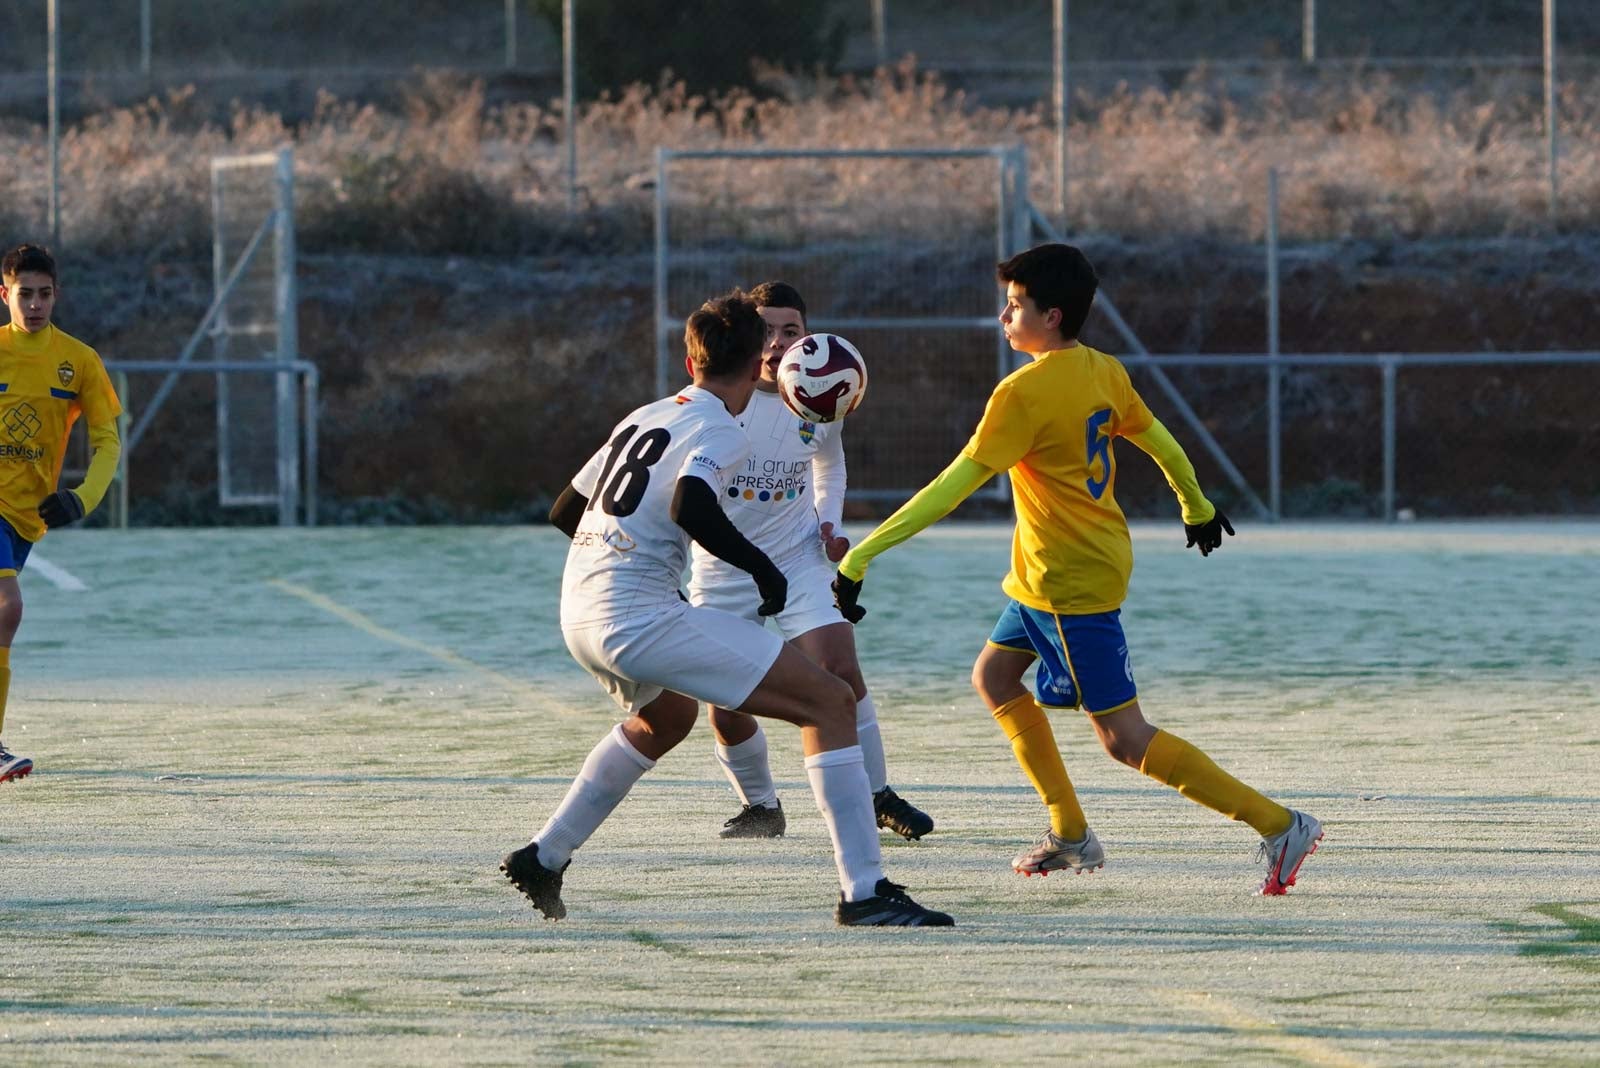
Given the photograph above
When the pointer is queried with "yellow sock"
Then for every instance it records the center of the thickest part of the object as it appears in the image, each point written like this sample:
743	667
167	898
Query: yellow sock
1173	761
5	681
1034	743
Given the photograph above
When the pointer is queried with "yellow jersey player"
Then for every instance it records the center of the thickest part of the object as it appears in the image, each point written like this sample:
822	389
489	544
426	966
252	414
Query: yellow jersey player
47	380
1050	423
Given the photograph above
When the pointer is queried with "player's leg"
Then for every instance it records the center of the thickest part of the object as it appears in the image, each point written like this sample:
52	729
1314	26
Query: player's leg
833	646
798	691
741	749
621	758
1014	644
740	743
12	765
1288	837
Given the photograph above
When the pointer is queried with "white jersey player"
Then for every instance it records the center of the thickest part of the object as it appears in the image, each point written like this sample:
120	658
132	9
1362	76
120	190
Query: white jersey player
787	497
655	484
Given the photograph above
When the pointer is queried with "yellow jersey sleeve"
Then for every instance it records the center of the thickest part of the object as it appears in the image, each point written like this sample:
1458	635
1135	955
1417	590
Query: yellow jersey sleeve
1157	442
932	503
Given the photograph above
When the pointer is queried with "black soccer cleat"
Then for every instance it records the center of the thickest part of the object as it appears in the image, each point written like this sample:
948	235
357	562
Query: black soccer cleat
900	815
756	821
541	885
891	906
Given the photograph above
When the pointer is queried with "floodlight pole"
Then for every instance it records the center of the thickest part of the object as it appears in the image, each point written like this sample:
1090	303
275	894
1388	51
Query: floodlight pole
144	37
1551	149
1060	39
53	74
1308	32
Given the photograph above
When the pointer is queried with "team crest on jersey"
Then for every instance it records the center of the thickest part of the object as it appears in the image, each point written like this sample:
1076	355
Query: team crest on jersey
65	373
807	431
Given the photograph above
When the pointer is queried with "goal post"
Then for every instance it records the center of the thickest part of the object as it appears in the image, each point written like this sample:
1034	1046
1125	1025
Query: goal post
258	459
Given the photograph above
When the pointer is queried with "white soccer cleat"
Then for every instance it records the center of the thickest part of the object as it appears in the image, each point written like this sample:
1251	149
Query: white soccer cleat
1054	853
1285	852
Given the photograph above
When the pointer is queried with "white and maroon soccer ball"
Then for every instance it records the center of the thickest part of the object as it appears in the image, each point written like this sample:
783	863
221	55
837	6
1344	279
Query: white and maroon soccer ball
822	378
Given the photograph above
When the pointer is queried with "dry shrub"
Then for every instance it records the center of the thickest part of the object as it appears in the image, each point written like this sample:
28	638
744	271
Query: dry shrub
446	171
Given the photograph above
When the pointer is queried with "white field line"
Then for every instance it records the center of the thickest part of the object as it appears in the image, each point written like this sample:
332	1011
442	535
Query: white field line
57	576
513	686
1310	1050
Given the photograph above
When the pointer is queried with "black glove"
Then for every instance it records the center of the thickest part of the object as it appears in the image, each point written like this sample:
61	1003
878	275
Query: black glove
774	589
60	508
1208	535
845	592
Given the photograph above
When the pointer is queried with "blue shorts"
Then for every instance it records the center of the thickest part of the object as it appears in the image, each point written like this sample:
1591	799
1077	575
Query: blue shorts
1083	660
14	550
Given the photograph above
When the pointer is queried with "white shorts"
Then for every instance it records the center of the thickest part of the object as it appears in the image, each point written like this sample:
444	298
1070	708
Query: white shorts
809	606
699	652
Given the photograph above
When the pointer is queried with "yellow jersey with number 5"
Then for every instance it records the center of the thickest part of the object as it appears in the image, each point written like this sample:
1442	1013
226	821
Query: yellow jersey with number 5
1050	424
47	380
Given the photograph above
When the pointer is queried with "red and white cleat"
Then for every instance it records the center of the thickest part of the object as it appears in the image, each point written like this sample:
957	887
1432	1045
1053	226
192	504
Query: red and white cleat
13	766
1285	852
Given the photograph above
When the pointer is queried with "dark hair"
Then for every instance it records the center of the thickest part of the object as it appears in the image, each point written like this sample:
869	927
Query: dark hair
28	258
1054	276
724	335
778	295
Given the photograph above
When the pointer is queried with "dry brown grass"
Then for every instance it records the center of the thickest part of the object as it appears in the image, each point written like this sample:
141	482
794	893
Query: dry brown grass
447	172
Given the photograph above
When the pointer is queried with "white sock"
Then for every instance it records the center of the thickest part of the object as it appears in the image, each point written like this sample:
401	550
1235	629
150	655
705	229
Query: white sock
871	742
747	769
610	772
839	783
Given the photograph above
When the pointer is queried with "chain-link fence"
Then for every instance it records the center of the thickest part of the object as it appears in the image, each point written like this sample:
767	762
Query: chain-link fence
1408	123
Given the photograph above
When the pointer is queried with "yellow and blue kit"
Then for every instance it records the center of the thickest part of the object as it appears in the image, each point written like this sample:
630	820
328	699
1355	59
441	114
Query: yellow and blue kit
48	379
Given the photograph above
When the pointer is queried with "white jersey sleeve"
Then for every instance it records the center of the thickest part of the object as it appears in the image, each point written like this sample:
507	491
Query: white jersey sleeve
627	555
584	481
828	477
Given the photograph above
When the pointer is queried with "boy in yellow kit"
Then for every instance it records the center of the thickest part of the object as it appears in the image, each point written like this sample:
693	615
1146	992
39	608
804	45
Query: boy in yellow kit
47	379
1050	424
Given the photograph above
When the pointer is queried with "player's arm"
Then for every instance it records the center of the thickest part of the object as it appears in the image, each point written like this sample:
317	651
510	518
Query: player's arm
698	510
70	505
568	510
932	503
1202	522
828	485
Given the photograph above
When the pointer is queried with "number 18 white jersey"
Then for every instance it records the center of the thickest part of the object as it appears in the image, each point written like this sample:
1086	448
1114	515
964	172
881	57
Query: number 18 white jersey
627	555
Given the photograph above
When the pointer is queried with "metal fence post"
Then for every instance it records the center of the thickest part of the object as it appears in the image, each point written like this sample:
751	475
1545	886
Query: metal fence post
310	398
285	300
880	32
662	155
53	108
145	23
1059	38
569	99
1550	98
1388	364
1274	368
511	34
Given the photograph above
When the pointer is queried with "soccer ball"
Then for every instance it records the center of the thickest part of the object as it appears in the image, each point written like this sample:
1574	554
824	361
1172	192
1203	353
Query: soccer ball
822	378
